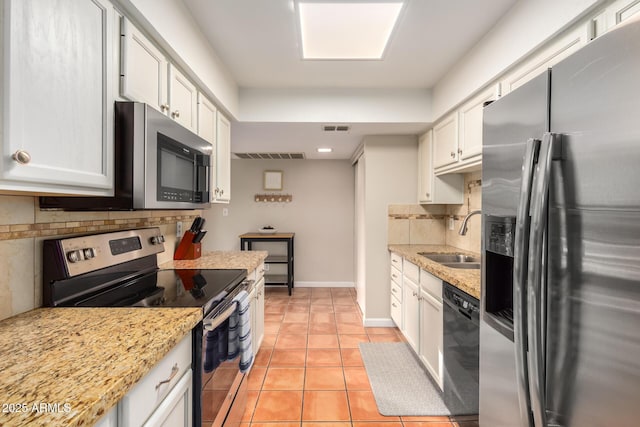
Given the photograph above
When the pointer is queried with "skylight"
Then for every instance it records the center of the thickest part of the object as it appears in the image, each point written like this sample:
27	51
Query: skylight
339	30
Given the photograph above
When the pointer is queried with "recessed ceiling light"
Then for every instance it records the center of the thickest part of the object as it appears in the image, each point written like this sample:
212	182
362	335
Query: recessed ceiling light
325	150
352	30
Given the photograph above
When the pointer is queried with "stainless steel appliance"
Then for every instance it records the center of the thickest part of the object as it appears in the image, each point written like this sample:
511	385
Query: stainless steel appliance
159	164
559	336
461	318
119	269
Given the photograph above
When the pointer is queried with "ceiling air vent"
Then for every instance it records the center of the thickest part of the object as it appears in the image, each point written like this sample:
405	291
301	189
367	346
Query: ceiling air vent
335	128
271	156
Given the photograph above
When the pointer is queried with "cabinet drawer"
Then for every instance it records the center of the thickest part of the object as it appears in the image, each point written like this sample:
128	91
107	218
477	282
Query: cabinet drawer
396	261
431	284
396	291
396	312
137	405
411	271
396	275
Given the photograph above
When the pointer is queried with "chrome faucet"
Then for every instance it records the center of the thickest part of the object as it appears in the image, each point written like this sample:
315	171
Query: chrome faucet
463	227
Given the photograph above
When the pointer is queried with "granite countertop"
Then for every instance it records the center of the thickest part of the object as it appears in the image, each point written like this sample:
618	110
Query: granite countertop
82	359
249	260
465	280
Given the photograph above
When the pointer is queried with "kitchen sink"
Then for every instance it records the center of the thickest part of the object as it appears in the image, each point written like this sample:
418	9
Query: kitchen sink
455	258
463	265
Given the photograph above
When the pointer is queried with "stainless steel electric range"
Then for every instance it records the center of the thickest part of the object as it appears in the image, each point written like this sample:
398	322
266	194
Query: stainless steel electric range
120	269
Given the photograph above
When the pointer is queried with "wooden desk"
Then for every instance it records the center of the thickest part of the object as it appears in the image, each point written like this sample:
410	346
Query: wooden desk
246	241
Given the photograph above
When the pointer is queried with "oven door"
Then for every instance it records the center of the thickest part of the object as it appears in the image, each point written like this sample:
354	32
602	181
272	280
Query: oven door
222	387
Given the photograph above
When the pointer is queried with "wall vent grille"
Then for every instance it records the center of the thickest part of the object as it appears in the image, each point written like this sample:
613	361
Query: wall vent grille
271	156
335	128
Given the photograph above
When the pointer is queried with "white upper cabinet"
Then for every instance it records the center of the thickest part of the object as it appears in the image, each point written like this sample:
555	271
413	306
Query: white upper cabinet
555	52
470	132
445	189
621	10
207	120
57	128
445	141
222	187
148	76
183	100
143	69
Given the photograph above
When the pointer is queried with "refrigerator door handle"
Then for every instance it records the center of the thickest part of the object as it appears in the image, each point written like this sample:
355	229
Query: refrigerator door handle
521	248
550	148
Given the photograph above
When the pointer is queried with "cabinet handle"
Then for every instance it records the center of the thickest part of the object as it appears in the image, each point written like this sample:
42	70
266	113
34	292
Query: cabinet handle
174	372
394	276
428	194
394	290
453	154
460	151
164	107
21	157
221	191
415	294
394	260
175	114
394	304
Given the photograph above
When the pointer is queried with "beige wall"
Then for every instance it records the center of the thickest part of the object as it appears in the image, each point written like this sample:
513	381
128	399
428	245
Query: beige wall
321	214
391	169
23	227
428	224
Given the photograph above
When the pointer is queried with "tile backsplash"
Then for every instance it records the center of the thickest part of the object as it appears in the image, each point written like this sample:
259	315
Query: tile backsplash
428	224
23	227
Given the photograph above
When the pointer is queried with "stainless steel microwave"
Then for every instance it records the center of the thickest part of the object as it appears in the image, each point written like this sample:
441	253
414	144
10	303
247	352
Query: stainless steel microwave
159	164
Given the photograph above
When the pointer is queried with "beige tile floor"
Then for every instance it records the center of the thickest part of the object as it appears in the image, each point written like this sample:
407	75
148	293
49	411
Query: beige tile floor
309	372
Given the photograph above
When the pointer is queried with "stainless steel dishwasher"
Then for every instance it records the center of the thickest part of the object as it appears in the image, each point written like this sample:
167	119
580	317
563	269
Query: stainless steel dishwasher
461	348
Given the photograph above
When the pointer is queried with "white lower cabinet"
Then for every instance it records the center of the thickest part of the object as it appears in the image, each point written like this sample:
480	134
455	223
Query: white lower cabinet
110	419
411	309
163	397
431	330
416	308
256	297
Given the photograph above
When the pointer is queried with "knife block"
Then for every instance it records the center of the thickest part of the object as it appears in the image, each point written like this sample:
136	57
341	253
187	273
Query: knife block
187	249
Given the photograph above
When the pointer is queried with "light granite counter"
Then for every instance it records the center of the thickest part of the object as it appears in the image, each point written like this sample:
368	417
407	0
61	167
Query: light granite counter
81	361
465	280
249	260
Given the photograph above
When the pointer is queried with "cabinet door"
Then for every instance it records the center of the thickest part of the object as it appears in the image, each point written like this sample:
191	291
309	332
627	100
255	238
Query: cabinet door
445	141
548	56
57	134
431	325
259	331
411	313
143	69
175	410
222	189
622	10
183	99
206	120
110	419
470	142
425	167
254	315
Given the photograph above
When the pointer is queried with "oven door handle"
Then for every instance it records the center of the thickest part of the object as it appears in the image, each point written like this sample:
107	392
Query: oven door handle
212	322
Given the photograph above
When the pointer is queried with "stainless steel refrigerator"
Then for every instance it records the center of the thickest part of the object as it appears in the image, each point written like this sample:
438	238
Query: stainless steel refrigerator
560	309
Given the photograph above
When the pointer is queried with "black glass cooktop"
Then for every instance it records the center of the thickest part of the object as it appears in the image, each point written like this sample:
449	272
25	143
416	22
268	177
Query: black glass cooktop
169	288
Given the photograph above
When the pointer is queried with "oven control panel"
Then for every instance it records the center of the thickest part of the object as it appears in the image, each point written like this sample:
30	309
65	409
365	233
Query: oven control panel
88	253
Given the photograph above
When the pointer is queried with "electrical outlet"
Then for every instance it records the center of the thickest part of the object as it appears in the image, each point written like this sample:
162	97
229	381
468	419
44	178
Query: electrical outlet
225	211
266	267
178	229
451	223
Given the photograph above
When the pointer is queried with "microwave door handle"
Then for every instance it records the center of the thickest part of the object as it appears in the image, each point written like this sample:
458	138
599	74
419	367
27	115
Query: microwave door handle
519	279
550	149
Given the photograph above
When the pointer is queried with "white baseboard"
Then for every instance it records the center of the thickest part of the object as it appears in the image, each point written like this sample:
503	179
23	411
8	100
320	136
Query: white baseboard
299	284
380	322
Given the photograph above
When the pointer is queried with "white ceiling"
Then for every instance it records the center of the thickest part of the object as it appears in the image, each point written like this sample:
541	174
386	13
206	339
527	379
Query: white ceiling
258	41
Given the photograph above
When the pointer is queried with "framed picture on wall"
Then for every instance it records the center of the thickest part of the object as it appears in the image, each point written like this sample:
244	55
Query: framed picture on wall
273	180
